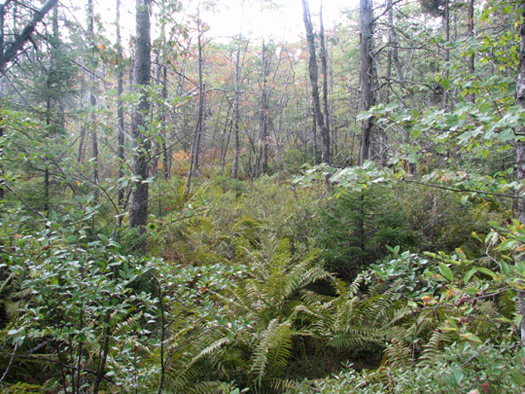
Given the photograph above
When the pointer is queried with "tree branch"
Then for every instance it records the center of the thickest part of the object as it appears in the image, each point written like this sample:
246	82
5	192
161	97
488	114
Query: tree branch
17	45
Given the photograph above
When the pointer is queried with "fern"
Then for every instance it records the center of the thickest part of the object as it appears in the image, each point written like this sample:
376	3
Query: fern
273	350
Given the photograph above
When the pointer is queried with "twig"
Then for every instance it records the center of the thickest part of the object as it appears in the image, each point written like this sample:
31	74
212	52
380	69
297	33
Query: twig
10	363
451	189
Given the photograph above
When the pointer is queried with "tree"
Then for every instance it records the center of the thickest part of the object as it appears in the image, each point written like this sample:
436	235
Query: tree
92	98
199	127
319	119
239	62
138	210
366	47
120	109
10	52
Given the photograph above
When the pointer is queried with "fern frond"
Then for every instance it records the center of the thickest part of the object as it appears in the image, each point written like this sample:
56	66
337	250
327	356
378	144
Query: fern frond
274	348
433	349
398	354
211	349
280	385
213	387
125	326
355	337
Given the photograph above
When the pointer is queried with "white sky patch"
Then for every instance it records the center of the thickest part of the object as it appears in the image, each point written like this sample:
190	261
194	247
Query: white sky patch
259	19
256	19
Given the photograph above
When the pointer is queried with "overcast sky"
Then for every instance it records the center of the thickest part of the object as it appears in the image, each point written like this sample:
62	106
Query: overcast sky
259	20
254	18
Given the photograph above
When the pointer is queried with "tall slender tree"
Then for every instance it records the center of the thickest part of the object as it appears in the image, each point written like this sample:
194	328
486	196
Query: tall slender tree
138	210
313	74
366	46
236	109
199	128
120	108
92	97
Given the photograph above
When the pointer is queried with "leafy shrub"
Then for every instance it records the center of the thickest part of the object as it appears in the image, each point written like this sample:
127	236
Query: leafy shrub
77	303
464	367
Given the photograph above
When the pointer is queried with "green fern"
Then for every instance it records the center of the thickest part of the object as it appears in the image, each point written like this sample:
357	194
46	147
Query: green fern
273	350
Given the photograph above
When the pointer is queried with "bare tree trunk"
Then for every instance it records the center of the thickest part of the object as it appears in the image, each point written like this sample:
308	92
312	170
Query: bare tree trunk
312	67
236	113
471	97
367	75
165	149
138	210
195	147
446	26
228	128
394	51
261	160
92	98
2	45
120	111
324	67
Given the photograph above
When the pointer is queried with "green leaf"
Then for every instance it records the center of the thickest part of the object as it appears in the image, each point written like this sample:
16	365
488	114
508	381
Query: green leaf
486	271
415	113
445	83
504	268
364	115
446	272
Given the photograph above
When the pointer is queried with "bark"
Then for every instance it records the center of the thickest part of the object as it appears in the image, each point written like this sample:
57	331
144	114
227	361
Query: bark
446	25
120	111
313	74
82	136
92	98
261	163
236	113
2	44
471	97
199	128
394	51
12	50
324	67
138	210
367	75
166	164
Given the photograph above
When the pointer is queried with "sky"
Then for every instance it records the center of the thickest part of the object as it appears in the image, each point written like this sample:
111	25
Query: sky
259	19
253	18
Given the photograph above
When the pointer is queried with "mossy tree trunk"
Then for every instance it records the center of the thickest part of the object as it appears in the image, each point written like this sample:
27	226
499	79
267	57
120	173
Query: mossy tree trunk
138	210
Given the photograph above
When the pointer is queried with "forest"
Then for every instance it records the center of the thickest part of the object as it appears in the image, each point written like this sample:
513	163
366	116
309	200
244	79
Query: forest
338	213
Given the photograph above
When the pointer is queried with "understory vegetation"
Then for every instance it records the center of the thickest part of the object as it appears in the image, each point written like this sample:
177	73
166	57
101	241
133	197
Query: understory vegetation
266	287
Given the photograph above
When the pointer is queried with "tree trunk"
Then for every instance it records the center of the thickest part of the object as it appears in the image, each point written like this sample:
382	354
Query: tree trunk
446	26
120	112
138	210
236	112
92	98
324	67
261	161
312	68
197	137
2	45
471	97
367	75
